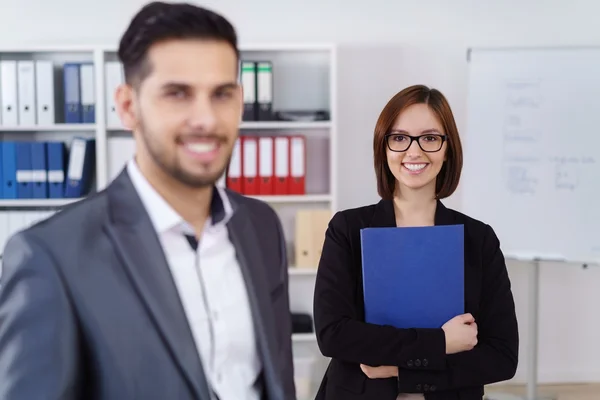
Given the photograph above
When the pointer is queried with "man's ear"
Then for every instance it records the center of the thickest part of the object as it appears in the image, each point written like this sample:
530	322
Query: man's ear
125	101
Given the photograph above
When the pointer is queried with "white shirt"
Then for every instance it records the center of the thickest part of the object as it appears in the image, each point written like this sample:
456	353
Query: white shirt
212	290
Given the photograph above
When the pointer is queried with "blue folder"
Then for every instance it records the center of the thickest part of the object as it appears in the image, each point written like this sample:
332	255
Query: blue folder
413	277
9	170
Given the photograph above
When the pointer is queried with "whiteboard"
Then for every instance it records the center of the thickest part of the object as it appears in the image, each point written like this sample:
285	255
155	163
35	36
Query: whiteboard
532	150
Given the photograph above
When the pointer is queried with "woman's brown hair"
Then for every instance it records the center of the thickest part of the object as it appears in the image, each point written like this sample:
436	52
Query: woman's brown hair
449	175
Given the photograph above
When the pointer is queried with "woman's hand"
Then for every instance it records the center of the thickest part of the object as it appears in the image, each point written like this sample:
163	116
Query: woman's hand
379	372
461	334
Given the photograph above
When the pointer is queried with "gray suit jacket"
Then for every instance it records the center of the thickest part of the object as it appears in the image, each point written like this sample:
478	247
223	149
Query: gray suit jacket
89	310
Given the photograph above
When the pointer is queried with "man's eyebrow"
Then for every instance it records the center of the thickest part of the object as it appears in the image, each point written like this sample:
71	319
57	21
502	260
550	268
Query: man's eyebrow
181	85
227	85
175	85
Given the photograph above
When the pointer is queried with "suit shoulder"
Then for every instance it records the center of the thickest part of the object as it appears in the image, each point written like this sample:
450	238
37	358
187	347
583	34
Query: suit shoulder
357	217
73	220
470	222
478	231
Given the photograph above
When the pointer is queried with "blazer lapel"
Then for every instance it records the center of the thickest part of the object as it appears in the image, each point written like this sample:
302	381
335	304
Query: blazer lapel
135	241
241	233
384	215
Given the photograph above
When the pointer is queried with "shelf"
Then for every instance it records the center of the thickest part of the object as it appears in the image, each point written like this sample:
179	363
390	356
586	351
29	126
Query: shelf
49	128
6	203
290	199
296	271
286	125
304	337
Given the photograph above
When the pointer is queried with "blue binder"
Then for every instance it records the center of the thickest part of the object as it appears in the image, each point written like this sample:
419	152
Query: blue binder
40	170
55	152
24	171
9	170
413	277
73	112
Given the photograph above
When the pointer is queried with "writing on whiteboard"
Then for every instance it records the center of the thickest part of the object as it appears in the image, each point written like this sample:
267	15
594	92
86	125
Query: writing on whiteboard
522	136
567	171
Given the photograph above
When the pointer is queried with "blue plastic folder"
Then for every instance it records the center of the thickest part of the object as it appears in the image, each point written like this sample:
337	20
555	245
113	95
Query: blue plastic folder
413	277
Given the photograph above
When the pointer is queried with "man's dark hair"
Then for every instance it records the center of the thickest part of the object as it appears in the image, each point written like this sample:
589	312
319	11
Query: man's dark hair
158	21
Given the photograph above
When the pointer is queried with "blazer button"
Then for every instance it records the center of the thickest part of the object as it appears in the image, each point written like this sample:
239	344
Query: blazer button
418	387
425	362
426	387
432	388
417	363
409	363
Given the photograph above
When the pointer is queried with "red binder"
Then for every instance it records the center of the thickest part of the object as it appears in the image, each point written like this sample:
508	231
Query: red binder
266	158
297	181
234	170
282	165
250	165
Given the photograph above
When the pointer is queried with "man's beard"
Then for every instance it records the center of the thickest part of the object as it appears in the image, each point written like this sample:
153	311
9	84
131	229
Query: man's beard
173	169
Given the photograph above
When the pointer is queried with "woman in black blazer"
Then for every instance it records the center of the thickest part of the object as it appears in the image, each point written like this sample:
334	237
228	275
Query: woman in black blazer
418	161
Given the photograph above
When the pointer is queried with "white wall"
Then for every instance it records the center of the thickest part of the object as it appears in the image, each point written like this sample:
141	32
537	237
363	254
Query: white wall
430	41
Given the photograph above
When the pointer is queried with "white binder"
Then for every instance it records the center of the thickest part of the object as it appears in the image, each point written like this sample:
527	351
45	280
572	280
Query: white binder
88	93
26	92
113	78
44	84
8	75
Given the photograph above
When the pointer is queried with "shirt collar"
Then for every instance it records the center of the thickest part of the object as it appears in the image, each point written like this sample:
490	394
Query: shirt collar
163	216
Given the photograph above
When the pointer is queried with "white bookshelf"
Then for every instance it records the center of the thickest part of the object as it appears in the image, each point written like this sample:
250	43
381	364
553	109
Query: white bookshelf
304	76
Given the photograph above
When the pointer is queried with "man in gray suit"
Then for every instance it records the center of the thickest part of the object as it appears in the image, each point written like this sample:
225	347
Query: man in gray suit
162	286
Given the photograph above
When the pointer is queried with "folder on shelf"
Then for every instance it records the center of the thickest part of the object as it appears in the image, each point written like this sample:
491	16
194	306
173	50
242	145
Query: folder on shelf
282	165
44	83
81	167
113	74
264	92
24	170
8	85
88	93
9	170
297	182
311	226
234	169
72	87
249	88
56	157
413	277
26	92
40	170
265	165
251	183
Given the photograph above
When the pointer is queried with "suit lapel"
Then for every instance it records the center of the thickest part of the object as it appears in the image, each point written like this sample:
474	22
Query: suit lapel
242	234
135	241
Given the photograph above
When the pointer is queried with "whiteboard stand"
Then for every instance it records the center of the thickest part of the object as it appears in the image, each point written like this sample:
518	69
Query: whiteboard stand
533	345
533	328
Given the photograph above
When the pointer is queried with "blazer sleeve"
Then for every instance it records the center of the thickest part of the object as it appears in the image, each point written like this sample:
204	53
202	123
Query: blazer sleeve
342	334
284	322
495	357
37	328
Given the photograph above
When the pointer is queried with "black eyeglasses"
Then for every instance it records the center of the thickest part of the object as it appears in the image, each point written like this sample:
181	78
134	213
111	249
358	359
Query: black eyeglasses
429	143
